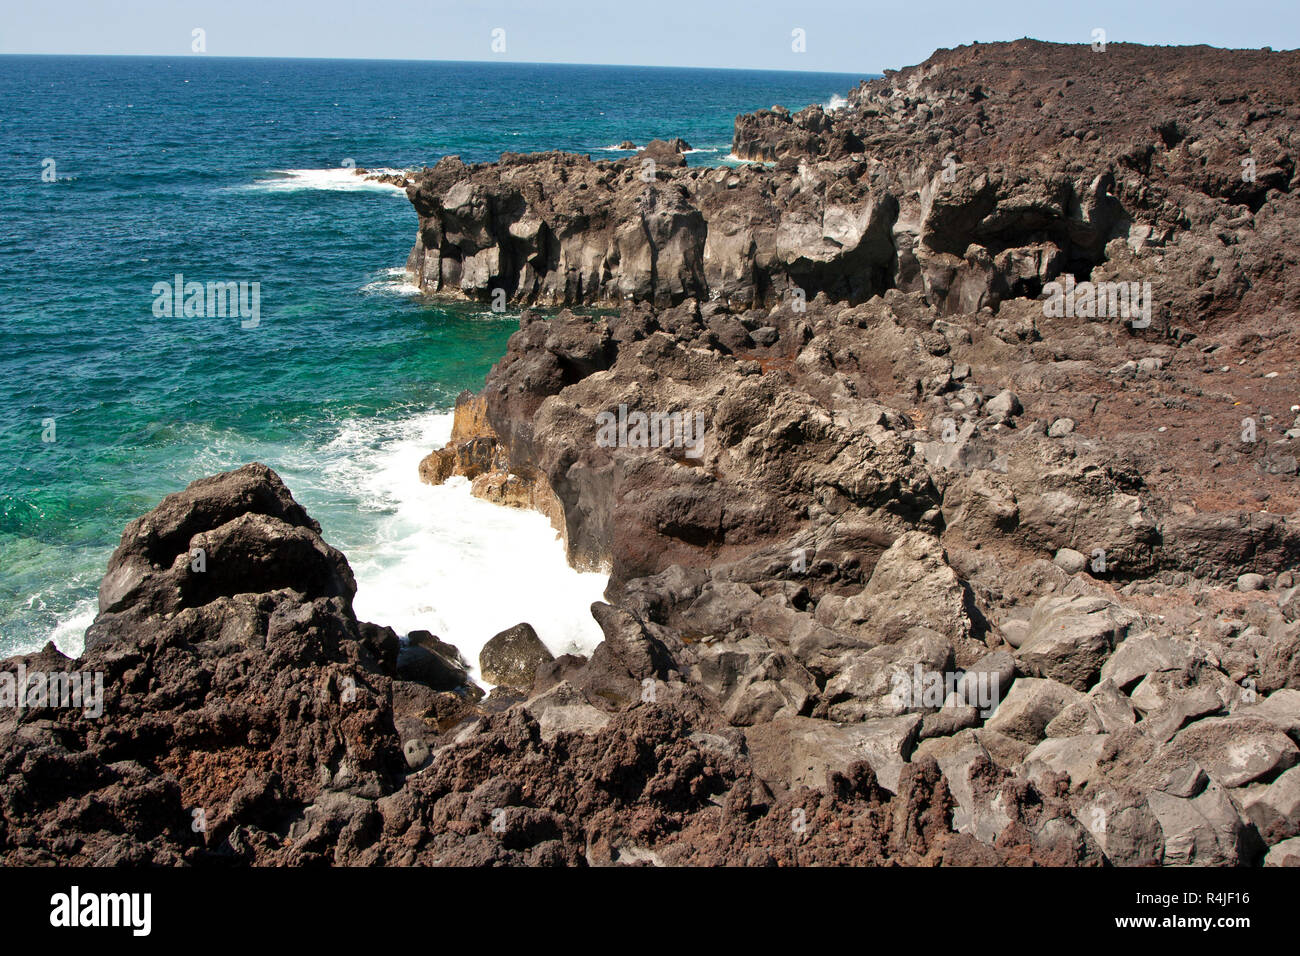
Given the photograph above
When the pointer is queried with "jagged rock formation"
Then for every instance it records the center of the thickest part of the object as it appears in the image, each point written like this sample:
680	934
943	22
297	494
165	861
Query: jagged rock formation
905	565
951	475
254	720
978	176
558	229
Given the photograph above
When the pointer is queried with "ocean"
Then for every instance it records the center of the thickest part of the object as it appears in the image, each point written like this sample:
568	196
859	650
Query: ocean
121	173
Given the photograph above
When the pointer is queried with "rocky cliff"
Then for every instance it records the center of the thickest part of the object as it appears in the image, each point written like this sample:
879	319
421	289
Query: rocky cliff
975	177
995	365
933	536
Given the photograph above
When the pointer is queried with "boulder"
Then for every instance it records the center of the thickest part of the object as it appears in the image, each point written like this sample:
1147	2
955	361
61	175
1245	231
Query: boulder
891	679
1070	561
975	781
1280	708
664	153
431	642
1233	750
1078	757
949	720
1103	711
1274	807
1205	830
563	709
512	657
911	586
753	681
235	533
633	642
1144	654
985	682
1122	823
1184	707
1004	405
424	666
1015	632
1070	637
1286	853
1029	707
1163	692
801	751
416	752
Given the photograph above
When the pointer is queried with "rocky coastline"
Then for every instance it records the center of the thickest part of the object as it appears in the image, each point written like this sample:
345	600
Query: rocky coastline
943	461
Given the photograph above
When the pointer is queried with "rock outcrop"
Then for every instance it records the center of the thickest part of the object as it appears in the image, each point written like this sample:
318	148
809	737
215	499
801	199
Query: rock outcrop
271	727
559	229
913	559
979	176
919	477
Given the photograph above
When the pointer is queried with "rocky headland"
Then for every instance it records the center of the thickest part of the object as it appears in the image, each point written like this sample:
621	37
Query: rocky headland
943	461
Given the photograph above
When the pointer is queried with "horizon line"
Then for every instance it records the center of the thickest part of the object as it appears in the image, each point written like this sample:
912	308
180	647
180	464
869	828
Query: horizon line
876	74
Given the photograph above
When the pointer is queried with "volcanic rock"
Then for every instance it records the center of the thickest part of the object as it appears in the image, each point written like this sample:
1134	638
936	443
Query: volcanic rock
512	657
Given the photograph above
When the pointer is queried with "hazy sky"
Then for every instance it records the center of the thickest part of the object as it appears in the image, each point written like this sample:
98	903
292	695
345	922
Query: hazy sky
840	35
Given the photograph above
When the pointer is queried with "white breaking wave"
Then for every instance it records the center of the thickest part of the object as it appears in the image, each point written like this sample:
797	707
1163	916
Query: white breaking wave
634	149
836	102
71	618
395	281
69	636
731	159
424	557
441	560
341	179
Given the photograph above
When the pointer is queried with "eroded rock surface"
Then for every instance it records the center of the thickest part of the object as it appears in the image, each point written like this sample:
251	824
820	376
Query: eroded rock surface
906	564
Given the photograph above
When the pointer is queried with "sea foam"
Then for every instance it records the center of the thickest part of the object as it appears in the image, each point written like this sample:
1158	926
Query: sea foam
437	558
424	557
342	179
395	281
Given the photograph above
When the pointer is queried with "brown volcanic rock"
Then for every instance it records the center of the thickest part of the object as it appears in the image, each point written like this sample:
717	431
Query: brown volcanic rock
233	702
472	451
664	153
239	532
1143	142
920	385
1039	156
771	135
554	229
653	788
880	479
513	656
765	457
270	728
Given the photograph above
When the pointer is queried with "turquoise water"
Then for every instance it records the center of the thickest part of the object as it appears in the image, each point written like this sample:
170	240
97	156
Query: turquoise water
232	170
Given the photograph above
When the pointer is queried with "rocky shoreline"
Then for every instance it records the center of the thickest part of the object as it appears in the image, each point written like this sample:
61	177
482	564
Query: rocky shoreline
921	550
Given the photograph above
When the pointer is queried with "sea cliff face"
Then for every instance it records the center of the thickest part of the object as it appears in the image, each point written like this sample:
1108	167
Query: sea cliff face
973	178
921	548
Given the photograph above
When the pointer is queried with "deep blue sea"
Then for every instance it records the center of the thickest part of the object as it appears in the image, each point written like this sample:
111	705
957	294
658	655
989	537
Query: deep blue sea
119	173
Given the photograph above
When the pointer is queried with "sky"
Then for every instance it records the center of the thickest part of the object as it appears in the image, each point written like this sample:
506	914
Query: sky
838	35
